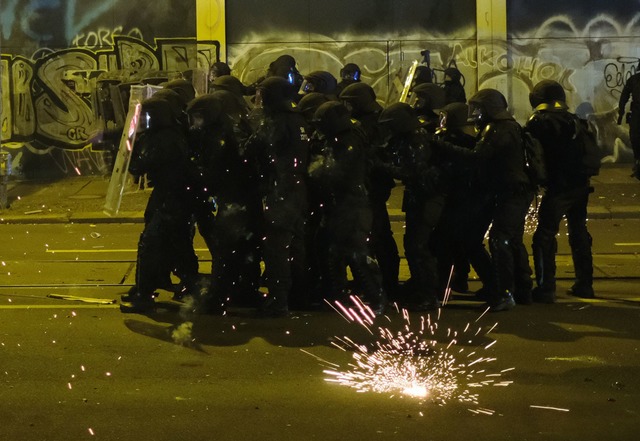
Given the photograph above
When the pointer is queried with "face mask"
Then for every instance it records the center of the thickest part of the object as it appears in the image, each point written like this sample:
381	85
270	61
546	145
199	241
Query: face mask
442	120
307	87
419	103
258	100
144	123
196	121
478	117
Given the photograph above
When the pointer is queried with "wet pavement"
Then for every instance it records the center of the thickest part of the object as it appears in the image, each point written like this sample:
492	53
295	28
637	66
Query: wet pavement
73	368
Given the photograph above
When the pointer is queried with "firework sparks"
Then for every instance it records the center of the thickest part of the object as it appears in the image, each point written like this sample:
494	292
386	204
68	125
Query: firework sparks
420	363
531	219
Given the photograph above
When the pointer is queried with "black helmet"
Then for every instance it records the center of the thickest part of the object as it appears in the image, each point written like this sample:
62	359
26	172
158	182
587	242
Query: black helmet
204	111
220	68
275	94
285	67
430	96
332	118
176	101
309	103
400	118
183	87
361	97
454	115
423	74
319	81
156	113
453	73
350	72
547	91
234	106
488	105
282	63
230	83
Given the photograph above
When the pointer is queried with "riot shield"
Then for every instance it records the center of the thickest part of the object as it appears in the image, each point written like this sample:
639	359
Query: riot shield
119	175
408	82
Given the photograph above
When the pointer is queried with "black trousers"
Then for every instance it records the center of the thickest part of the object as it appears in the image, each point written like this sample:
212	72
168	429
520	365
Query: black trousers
509	256
165	246
555	205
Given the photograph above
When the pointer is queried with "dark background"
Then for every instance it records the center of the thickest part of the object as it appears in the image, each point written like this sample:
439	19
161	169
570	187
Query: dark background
524	15
336	17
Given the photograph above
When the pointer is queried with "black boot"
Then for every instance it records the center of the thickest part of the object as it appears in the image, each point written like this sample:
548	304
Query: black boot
582	264
501	298
138	303
635	171
544	261
503	302
276	304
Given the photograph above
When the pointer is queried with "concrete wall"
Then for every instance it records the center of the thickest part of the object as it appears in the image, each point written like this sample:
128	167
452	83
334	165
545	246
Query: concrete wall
60	59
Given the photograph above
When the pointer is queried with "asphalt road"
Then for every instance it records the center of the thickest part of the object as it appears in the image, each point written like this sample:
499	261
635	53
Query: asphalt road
74	369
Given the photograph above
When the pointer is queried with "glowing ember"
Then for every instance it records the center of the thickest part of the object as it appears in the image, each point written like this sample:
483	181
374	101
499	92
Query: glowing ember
420	363
531	219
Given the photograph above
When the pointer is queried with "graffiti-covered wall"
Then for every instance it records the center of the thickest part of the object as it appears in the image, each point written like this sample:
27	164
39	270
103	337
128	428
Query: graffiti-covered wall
66	66
383	37
589	46
66	62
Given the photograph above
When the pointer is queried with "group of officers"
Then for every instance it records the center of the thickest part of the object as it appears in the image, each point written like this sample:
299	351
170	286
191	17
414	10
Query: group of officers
295	171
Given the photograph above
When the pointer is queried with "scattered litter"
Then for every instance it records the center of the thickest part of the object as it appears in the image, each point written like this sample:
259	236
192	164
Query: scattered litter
82	299
559	409
33	212
95	235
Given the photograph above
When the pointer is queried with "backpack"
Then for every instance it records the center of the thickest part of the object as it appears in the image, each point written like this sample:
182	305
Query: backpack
586	146
534	165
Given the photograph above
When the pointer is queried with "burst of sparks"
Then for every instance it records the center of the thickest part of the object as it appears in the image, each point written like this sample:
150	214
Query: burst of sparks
531	219
418	363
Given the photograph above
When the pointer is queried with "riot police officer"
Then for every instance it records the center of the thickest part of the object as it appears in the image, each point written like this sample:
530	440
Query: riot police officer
360	98
467	211
161	152
337	173
349	74
280	146
411	160
631	89
499	150
453	89
428	99
218	69
322	82
567	194
228	180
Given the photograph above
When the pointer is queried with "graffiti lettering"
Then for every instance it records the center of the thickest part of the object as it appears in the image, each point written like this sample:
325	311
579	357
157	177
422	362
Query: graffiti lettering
77	134
53	99
616	74
102	38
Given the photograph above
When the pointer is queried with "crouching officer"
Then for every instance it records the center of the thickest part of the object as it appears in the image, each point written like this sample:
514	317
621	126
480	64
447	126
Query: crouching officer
337	173
280	147
410	159
500	152
162	153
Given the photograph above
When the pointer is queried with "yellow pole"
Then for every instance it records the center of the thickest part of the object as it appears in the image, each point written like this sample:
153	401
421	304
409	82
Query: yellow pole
210	23
491	20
